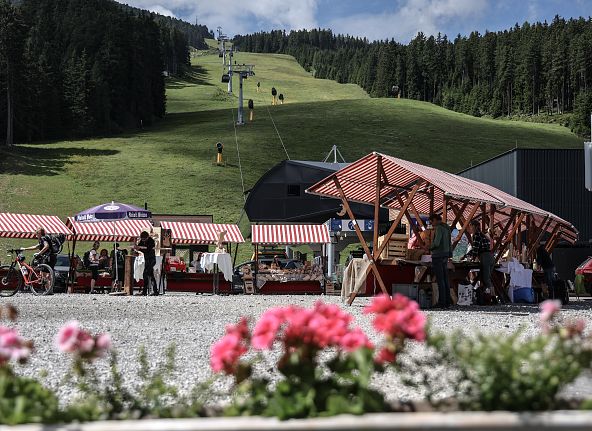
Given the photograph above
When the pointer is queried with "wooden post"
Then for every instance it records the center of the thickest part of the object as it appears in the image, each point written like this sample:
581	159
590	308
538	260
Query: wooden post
465	224
510	236
554	241
362	241
128	280
483	221
377	202
391	230
535	244
491	220
499	241
552	237
444	208
431	200
458	213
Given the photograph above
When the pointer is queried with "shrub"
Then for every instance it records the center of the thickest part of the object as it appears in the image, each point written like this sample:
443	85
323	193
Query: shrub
309	387
509	372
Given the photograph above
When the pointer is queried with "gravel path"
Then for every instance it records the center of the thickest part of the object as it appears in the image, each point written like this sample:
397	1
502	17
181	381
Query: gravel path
194	322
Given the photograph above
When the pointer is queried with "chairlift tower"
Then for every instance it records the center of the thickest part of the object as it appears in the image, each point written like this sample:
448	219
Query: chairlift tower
243	71
230	54
222	39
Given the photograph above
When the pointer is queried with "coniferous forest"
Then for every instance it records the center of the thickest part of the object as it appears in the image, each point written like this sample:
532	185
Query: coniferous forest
72	68
531	69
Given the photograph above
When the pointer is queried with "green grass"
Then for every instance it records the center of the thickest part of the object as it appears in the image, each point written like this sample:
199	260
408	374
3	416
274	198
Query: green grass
170	165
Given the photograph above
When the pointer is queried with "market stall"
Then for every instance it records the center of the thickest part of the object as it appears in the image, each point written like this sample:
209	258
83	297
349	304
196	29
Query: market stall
205	277
411	190
121	231
289	277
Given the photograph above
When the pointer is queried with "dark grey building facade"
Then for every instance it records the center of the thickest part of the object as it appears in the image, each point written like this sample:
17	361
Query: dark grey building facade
552	179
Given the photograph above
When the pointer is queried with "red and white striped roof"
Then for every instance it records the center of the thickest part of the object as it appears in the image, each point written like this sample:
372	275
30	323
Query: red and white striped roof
110	231
290	234
25	225
358	182
202	233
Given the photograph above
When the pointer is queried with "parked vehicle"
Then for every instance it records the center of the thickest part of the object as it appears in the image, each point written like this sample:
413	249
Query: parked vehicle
585	270
61	270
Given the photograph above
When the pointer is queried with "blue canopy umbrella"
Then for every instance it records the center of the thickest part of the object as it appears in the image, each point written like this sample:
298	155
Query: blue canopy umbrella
111	212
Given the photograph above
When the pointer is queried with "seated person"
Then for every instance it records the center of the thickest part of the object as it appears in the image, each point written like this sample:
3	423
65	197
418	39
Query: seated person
275	264
196	263
104	259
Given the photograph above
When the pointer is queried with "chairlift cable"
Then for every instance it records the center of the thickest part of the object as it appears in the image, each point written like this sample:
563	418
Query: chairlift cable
240	166
278	133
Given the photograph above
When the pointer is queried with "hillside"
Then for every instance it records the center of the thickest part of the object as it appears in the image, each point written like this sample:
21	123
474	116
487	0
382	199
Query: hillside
170	165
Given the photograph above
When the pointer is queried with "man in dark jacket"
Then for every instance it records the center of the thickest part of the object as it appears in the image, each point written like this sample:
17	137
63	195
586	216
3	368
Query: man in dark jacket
544	260
146	245
441	250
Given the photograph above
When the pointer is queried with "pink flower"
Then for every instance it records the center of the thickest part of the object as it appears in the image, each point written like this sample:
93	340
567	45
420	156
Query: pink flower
225	353
72	339
268	326
13	346
355	340
549	309
398	317
385	356
67	339
103	344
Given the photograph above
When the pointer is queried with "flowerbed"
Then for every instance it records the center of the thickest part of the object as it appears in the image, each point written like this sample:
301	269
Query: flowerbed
324	365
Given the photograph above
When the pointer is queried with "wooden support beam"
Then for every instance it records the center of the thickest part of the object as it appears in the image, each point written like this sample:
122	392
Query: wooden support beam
510	236
555	240
417	216
377	201
465	225
445	208
491	220
483	215
362	241
500	240
391	230
414	227
552	237
432	194
458	213
535	244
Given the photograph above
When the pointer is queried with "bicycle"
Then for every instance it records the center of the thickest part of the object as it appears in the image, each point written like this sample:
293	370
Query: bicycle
39	278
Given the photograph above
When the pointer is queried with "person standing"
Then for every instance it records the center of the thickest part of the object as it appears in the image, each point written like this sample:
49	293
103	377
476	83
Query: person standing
544	260
481	250
93	264
441	249
146	245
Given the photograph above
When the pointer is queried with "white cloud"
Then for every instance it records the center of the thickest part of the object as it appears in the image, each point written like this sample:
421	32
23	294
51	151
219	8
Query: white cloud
241	16
410	17
161	10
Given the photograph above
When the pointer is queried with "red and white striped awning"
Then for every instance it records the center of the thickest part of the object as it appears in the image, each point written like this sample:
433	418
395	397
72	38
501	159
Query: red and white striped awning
25	225
202	233
290	234
358	183
110	231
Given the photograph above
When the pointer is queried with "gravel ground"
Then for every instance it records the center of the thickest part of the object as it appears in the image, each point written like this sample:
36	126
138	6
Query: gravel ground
194	322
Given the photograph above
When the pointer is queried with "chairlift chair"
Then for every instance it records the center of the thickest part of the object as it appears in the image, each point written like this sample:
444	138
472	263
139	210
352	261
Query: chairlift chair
225	78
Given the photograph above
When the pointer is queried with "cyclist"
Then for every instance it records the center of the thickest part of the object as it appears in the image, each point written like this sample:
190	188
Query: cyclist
45	254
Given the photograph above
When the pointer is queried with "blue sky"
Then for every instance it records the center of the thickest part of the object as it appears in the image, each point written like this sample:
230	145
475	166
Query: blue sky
374	19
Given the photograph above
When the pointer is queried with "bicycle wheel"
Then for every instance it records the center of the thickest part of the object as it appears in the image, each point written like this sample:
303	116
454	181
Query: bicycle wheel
42	280
11	280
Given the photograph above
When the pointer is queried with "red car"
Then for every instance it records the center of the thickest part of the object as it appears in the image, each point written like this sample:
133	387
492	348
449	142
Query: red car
585	269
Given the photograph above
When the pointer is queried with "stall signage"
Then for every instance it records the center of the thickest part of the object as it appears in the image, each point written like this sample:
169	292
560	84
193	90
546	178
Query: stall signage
85	217
138	214
349	225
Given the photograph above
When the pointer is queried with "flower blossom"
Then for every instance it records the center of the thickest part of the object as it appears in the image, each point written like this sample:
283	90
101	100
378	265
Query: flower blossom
13	346
549	309
398	317
226	352
73	339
